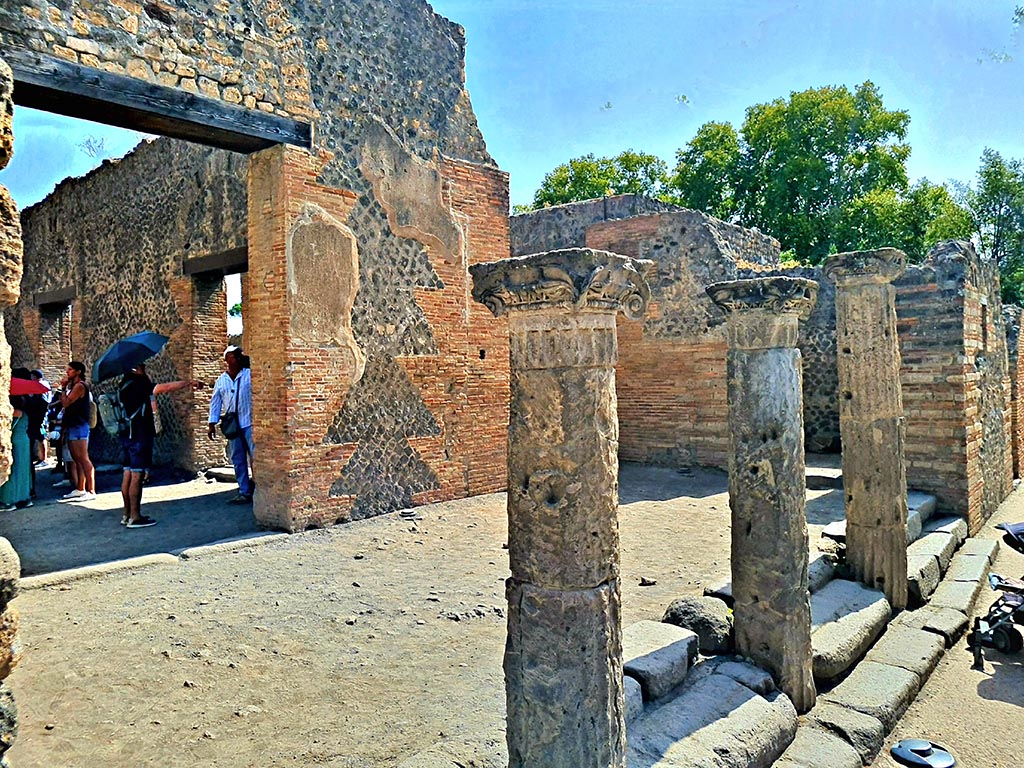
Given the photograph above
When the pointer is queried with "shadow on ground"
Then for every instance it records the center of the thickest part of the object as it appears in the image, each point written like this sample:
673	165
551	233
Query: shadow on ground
642	482
53	536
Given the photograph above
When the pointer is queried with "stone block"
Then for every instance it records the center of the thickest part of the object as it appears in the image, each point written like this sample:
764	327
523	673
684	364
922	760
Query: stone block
954	526
634	698
709	617
815	748
968	568
714	721
582	667
8	719
956	595
914	526
721	590
922	577
879	690
945	622
755	678
658	655
820	571
864	733
921	504
941	545
10	573
835	530
981	547
915	650
847	618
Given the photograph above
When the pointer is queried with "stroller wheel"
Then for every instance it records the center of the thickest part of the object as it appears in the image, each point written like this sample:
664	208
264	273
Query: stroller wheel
1007	639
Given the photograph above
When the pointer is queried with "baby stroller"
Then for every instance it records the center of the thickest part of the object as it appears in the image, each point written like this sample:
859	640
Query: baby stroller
997	629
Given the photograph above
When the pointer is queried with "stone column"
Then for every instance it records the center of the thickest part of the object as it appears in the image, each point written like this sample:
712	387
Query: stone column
10	288
563	656
767	485
871	418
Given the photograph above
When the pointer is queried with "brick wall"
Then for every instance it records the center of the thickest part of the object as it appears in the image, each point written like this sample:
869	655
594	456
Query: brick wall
349	429
955	378
671	374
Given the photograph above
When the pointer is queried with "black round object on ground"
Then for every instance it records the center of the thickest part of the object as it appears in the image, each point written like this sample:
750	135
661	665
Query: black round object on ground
918	752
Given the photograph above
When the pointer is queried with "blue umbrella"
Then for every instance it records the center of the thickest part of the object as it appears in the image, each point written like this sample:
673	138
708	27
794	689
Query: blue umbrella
127	353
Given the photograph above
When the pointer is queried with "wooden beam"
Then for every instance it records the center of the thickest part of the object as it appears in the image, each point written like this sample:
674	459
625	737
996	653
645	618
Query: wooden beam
55	85
226	263
58	296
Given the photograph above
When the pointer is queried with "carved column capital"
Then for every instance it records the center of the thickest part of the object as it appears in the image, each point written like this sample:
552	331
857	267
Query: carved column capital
572	278
877	267
764	312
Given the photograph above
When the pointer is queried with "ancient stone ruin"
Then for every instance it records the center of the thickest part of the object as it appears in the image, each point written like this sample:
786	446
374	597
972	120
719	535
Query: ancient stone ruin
767	485
563	658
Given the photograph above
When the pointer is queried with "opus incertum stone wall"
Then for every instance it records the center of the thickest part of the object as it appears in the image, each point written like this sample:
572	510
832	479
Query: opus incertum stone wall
382	82
767	486
563	657
1011	319
871	418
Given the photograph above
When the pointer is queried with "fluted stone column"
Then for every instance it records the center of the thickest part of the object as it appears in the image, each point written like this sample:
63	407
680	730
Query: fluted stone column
767	484
563	656
871	418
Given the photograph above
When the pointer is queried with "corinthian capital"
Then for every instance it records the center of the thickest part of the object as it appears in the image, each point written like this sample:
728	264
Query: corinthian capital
780	295
882	265
574	278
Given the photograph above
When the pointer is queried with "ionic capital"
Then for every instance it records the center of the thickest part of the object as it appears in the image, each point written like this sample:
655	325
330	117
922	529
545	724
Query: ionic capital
573	278
777	295
876	267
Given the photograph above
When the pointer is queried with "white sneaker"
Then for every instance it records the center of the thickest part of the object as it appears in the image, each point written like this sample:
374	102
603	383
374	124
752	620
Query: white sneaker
84	496
74	494
62	483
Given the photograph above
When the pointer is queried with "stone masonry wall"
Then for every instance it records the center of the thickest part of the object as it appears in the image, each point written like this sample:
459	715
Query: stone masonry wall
1012	318
118	236
955	380
671	372
383	83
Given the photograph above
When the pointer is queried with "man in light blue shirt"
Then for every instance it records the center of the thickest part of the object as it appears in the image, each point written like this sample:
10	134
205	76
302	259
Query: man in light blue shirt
232	394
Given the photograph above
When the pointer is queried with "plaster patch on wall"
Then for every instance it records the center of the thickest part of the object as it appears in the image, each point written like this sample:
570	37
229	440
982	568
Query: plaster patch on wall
323	279
409	190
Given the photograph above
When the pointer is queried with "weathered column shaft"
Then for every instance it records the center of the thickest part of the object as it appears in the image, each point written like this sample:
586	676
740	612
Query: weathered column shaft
871	419
767	484
563	656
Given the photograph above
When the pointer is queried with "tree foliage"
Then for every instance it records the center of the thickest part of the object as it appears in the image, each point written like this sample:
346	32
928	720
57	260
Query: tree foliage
996	208
587	177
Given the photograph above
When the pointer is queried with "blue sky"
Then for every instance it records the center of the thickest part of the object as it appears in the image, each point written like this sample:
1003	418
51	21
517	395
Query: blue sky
555	79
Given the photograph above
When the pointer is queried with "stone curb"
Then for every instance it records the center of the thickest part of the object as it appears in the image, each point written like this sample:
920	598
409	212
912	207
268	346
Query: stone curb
869	693
94	571
174	557
230	545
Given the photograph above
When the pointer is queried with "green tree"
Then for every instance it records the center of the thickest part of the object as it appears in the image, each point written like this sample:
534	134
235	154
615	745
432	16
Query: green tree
587	177
705	176
996	207
912	221
804	160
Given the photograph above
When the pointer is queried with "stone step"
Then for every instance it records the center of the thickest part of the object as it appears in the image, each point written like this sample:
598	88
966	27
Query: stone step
657	656
820	571
920	508
727	714
846	618
928	558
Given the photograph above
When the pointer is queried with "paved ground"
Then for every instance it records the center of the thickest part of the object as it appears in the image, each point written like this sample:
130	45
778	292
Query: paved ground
365	644
52	536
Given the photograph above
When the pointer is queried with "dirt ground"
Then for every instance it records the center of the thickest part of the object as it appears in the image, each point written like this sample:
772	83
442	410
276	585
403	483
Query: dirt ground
360	645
